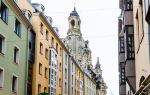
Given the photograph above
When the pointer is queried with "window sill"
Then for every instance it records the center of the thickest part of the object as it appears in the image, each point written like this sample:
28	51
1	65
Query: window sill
16	63
1	87
2	54
14	92
40	74
46	58
41	53
4	21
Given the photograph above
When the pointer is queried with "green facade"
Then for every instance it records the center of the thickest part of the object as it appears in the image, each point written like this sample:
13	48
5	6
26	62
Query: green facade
7	59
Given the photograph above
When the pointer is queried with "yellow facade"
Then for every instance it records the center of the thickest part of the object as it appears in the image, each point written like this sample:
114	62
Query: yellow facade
78	76
40	67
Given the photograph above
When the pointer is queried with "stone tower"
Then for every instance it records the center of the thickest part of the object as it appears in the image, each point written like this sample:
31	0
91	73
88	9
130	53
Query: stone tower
74	41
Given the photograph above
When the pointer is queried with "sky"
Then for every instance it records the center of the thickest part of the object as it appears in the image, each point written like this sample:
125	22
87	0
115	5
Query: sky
99	25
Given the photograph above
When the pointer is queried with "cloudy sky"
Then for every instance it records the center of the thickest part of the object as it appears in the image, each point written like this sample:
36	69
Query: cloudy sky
98	25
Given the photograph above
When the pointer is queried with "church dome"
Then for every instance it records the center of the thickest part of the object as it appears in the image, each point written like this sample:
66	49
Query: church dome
74	12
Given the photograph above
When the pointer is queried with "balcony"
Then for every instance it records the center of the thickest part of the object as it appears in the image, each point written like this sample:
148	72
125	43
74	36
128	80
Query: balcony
128	17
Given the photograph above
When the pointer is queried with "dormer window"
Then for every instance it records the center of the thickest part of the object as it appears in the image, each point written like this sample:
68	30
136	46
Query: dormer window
27	14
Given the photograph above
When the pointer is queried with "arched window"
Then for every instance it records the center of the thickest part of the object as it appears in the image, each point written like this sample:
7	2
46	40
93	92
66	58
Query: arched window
73	23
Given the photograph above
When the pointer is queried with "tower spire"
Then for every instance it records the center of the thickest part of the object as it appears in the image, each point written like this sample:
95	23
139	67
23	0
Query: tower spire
97	59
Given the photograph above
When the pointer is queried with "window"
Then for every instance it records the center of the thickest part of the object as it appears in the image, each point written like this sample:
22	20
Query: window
60	51
72	90
47	35
57	47
65	87
129	43
14	83
122	73
65	73
128	5
39	88
40	68
41	28
45	72
2	44
4	12
17	28
72	79
72	23
66	59
41	48
45	89
1	77
59	82
121	44
72	67
60	66
46	53
16	55
52	42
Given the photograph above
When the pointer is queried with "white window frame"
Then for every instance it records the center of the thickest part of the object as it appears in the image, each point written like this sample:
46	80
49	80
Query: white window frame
2	83
3	44
17	59
16	88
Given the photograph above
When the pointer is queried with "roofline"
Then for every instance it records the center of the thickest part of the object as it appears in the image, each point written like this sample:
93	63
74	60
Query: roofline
19	13
53	31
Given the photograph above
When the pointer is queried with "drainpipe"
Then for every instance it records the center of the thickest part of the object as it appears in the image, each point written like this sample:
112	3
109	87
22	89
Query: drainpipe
26	73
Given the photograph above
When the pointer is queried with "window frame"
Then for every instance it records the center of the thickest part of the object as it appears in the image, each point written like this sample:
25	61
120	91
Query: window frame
41	48
129	46
16	88
16	59
128	5
5	18
2	82
46	53
17	27
121	42
122	68
40	68
47	34
3	47
41	28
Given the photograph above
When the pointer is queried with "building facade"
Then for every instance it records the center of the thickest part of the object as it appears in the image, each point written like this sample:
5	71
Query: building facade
48	50
134	32
142	51
81	53
126	51
65	71
14	29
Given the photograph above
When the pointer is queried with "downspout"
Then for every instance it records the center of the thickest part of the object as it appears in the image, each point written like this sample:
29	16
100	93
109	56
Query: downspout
26	73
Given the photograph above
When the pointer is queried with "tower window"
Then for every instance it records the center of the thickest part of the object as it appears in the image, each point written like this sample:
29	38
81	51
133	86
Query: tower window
73	23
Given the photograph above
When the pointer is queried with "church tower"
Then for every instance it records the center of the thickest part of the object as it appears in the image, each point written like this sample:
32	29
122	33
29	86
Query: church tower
74	23
74	41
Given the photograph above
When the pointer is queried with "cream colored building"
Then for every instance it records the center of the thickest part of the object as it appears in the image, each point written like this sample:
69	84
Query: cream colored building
138	16
142	48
